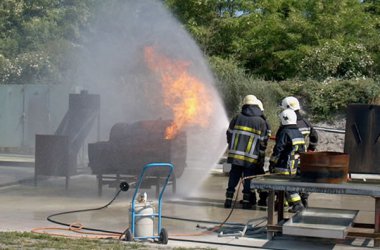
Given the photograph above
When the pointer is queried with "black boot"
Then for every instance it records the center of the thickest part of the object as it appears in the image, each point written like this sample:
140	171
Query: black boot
263	195
252	198
247	201
228	201
297	207
304	199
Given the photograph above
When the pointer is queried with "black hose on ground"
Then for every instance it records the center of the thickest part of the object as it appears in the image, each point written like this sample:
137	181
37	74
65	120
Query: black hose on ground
125	187
202	221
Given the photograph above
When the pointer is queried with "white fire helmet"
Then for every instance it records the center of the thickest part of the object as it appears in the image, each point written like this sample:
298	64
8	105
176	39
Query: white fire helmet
288	117
250	100
290	102
260	104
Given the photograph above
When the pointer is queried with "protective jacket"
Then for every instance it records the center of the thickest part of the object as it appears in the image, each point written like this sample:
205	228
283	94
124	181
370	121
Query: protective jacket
289	144
264	146
268	132
245	137
307	130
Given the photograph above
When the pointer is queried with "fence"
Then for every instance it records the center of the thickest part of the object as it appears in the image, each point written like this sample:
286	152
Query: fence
27	110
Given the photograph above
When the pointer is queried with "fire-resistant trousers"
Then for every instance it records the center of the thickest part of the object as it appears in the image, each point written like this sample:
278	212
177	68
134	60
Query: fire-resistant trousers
235	174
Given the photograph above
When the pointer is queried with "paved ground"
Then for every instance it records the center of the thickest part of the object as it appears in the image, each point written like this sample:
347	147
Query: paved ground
25	207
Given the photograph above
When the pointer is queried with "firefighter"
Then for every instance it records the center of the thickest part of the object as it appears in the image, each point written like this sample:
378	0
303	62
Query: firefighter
307	130
285	157
263	195
245	138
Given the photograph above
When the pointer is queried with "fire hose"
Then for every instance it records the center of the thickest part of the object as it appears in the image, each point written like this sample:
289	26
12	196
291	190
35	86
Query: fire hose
77	227
101	233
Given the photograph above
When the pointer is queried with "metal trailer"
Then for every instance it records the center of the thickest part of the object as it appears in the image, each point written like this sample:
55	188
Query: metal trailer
130	233
133	145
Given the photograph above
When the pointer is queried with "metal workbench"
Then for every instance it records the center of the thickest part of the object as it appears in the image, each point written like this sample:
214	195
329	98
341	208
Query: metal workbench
280	184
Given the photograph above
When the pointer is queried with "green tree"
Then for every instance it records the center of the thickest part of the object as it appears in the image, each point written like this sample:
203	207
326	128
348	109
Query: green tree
271	39
333	59
34	36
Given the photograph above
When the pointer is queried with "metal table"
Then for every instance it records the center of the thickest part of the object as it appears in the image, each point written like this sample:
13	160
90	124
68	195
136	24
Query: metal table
280	185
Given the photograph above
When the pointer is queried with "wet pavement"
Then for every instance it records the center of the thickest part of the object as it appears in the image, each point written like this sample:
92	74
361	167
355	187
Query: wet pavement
190	221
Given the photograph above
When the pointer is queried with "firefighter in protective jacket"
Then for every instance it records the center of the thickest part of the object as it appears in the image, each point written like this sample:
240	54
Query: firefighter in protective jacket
245	138
307	130
263	195
285	157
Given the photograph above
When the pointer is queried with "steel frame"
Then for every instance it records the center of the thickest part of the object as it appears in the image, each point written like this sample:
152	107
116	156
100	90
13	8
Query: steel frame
279	185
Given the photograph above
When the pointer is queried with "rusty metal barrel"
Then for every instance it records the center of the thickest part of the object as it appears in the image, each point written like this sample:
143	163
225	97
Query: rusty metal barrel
324	167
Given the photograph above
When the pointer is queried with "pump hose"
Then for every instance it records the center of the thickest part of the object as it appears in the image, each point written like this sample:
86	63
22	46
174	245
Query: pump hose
49	218
124	188
202	221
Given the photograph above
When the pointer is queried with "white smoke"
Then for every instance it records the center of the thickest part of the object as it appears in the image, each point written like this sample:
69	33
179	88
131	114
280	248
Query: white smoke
113	66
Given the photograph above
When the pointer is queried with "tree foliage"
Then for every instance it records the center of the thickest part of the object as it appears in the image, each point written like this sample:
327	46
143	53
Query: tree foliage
274	40
233	84
280	39
315	48
35	35
332	59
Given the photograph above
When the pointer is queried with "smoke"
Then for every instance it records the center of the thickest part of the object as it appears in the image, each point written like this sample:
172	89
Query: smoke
113	66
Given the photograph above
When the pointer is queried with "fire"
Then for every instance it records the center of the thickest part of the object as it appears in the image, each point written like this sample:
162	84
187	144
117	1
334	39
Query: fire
183	93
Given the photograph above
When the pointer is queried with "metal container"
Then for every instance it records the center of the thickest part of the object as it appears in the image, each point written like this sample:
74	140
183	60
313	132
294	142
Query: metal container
56	155
53	157
131	146
144	224
325	167
362	138
320	222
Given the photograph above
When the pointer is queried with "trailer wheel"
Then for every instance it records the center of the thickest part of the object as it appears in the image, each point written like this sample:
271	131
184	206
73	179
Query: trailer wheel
128	235
164	236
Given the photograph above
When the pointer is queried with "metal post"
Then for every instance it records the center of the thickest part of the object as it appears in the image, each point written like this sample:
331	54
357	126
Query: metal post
280	207
271	201
23	117
376	241
98	126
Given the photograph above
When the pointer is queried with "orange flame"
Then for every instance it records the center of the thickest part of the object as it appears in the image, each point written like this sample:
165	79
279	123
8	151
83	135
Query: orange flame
185	94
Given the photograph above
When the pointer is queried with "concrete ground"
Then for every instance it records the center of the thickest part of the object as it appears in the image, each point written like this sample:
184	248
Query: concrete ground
190	221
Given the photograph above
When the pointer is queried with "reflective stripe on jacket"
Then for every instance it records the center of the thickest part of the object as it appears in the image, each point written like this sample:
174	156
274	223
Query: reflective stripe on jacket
308	132
266	136
289	143
245	137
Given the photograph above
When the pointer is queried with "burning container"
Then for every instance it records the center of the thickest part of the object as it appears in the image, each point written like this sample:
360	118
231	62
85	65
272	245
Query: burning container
133	145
